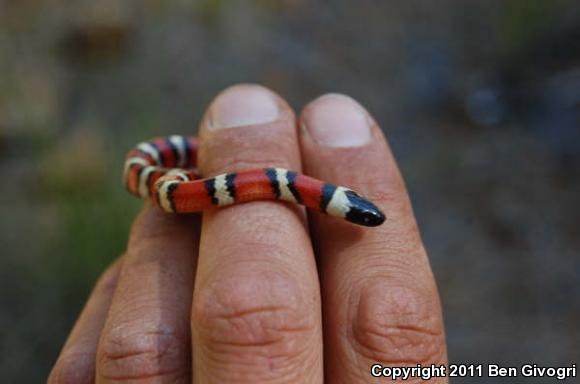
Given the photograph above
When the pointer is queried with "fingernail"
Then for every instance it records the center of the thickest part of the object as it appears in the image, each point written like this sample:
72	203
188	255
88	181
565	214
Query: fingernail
336	120
243	105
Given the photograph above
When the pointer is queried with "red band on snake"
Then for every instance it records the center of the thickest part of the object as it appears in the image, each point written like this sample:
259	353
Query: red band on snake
165	170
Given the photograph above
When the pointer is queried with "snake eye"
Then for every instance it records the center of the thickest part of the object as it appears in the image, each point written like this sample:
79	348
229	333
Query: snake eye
363	212
368	218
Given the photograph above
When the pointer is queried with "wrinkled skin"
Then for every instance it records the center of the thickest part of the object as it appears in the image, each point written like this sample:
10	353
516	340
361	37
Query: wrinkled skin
260	292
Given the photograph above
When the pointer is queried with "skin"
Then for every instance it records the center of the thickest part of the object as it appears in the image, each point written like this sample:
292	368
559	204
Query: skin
260	292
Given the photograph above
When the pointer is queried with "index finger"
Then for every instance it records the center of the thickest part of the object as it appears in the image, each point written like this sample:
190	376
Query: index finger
381	304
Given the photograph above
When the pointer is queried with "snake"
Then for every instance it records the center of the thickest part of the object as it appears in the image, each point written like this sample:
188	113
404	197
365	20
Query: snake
164	169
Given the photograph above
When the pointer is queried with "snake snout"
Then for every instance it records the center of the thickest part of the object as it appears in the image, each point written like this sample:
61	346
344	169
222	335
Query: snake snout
364	212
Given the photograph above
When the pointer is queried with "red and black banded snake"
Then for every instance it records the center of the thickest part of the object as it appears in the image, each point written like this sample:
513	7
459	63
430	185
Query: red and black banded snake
164	169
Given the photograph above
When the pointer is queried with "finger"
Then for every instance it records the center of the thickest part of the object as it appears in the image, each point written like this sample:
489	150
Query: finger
381	303
76	363
256	307
146	335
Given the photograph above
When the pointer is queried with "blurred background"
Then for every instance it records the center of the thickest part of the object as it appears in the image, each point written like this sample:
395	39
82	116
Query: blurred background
480	101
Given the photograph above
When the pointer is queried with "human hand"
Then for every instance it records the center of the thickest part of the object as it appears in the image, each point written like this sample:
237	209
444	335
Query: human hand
256	292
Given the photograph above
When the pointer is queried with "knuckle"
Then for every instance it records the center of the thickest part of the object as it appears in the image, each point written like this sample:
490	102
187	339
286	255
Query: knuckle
153	226
395	324
247	159
107	283
73	368
408	248
254	314
256	148
133	356
256	237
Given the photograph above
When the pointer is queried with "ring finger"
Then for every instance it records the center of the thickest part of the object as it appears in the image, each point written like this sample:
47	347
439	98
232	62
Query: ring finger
146	334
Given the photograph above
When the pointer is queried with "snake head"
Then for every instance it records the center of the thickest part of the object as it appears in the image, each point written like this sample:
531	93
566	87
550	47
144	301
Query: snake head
363	212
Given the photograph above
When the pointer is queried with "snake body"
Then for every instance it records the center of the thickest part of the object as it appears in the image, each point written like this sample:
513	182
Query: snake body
165	170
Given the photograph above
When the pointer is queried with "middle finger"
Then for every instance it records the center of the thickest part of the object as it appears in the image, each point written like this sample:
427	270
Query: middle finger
256	307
